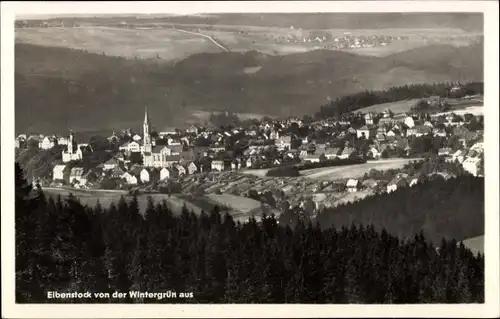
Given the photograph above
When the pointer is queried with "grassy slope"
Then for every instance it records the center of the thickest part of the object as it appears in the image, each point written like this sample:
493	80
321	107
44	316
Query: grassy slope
58	88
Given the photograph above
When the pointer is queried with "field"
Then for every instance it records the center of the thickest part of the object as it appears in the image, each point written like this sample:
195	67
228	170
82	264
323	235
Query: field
167	44
460	107
205	115
243	207
256	172
105	198
354	171
476	244
474	110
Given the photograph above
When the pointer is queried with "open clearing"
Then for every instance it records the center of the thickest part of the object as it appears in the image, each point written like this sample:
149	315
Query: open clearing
474	110
242	207
354	171
396	107
476	244
205	115
167	44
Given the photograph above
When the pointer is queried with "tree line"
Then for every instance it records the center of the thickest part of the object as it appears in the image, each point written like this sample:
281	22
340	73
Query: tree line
62	245
354	102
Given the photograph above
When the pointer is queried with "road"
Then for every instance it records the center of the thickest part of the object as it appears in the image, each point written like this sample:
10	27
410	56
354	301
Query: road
205	36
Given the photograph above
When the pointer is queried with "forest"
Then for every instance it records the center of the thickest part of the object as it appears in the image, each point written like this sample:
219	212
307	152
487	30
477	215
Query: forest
64	246
353	102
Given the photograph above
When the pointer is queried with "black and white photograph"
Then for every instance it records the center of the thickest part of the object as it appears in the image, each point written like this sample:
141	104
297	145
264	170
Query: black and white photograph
225	153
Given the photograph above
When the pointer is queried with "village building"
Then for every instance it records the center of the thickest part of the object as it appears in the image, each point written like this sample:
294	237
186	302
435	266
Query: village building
110	164
396	183
76	176
47	143
471	165
283	143
353	185
58	172
73	151
130	178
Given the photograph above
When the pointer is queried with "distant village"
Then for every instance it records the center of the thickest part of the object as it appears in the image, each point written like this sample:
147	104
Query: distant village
213	159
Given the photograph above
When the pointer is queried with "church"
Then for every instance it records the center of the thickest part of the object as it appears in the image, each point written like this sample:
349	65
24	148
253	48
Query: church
73	151
154	155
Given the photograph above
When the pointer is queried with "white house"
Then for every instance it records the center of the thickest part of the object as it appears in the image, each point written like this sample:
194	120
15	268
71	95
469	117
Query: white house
110	164
136	137
352	185
76	175
283	143
181	169
58	172
129	178
217	165
367	131
166	173
132	147
397	182
47	143
192	168
145	176
471	165
408	121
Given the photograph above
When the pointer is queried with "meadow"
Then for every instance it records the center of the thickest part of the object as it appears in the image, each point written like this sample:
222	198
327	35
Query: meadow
354	171
164	42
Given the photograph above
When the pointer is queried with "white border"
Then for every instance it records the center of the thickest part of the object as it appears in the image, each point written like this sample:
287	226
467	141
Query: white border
27	9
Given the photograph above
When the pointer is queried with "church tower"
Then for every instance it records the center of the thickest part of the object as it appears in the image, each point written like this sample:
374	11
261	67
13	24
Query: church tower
146	131
70	142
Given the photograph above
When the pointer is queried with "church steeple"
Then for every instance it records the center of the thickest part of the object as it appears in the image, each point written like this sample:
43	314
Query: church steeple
146	132
146	116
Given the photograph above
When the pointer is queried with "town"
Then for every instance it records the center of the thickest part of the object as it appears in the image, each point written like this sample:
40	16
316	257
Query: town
281	163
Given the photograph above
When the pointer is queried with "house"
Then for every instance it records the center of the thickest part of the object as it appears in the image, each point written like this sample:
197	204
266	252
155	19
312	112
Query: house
76	176
62	140
397	182
218	165
132	147
439	132
478	146
444	151
471	165
58	172
235	164
374	153
170	172
47	143
418	131
168	132
353	185
136	137
381	137
117	172
385	121
416	179
409	122
129	178
192	130
346	153
181	169
331	153
20	142
458	156
113	138
171	160
145	175
110	164
250	161
283	143
429	124
192	168
368	118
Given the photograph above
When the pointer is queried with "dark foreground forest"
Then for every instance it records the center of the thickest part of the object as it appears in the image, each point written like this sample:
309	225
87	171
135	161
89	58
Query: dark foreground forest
66	247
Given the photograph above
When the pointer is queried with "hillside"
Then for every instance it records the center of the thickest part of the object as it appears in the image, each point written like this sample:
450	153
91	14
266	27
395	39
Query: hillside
451	209
313	20
59	88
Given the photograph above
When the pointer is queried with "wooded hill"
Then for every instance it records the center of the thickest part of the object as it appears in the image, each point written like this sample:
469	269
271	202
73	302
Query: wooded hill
63	246
59	88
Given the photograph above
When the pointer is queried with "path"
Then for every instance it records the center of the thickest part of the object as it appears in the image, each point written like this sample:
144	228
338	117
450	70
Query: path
205	36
